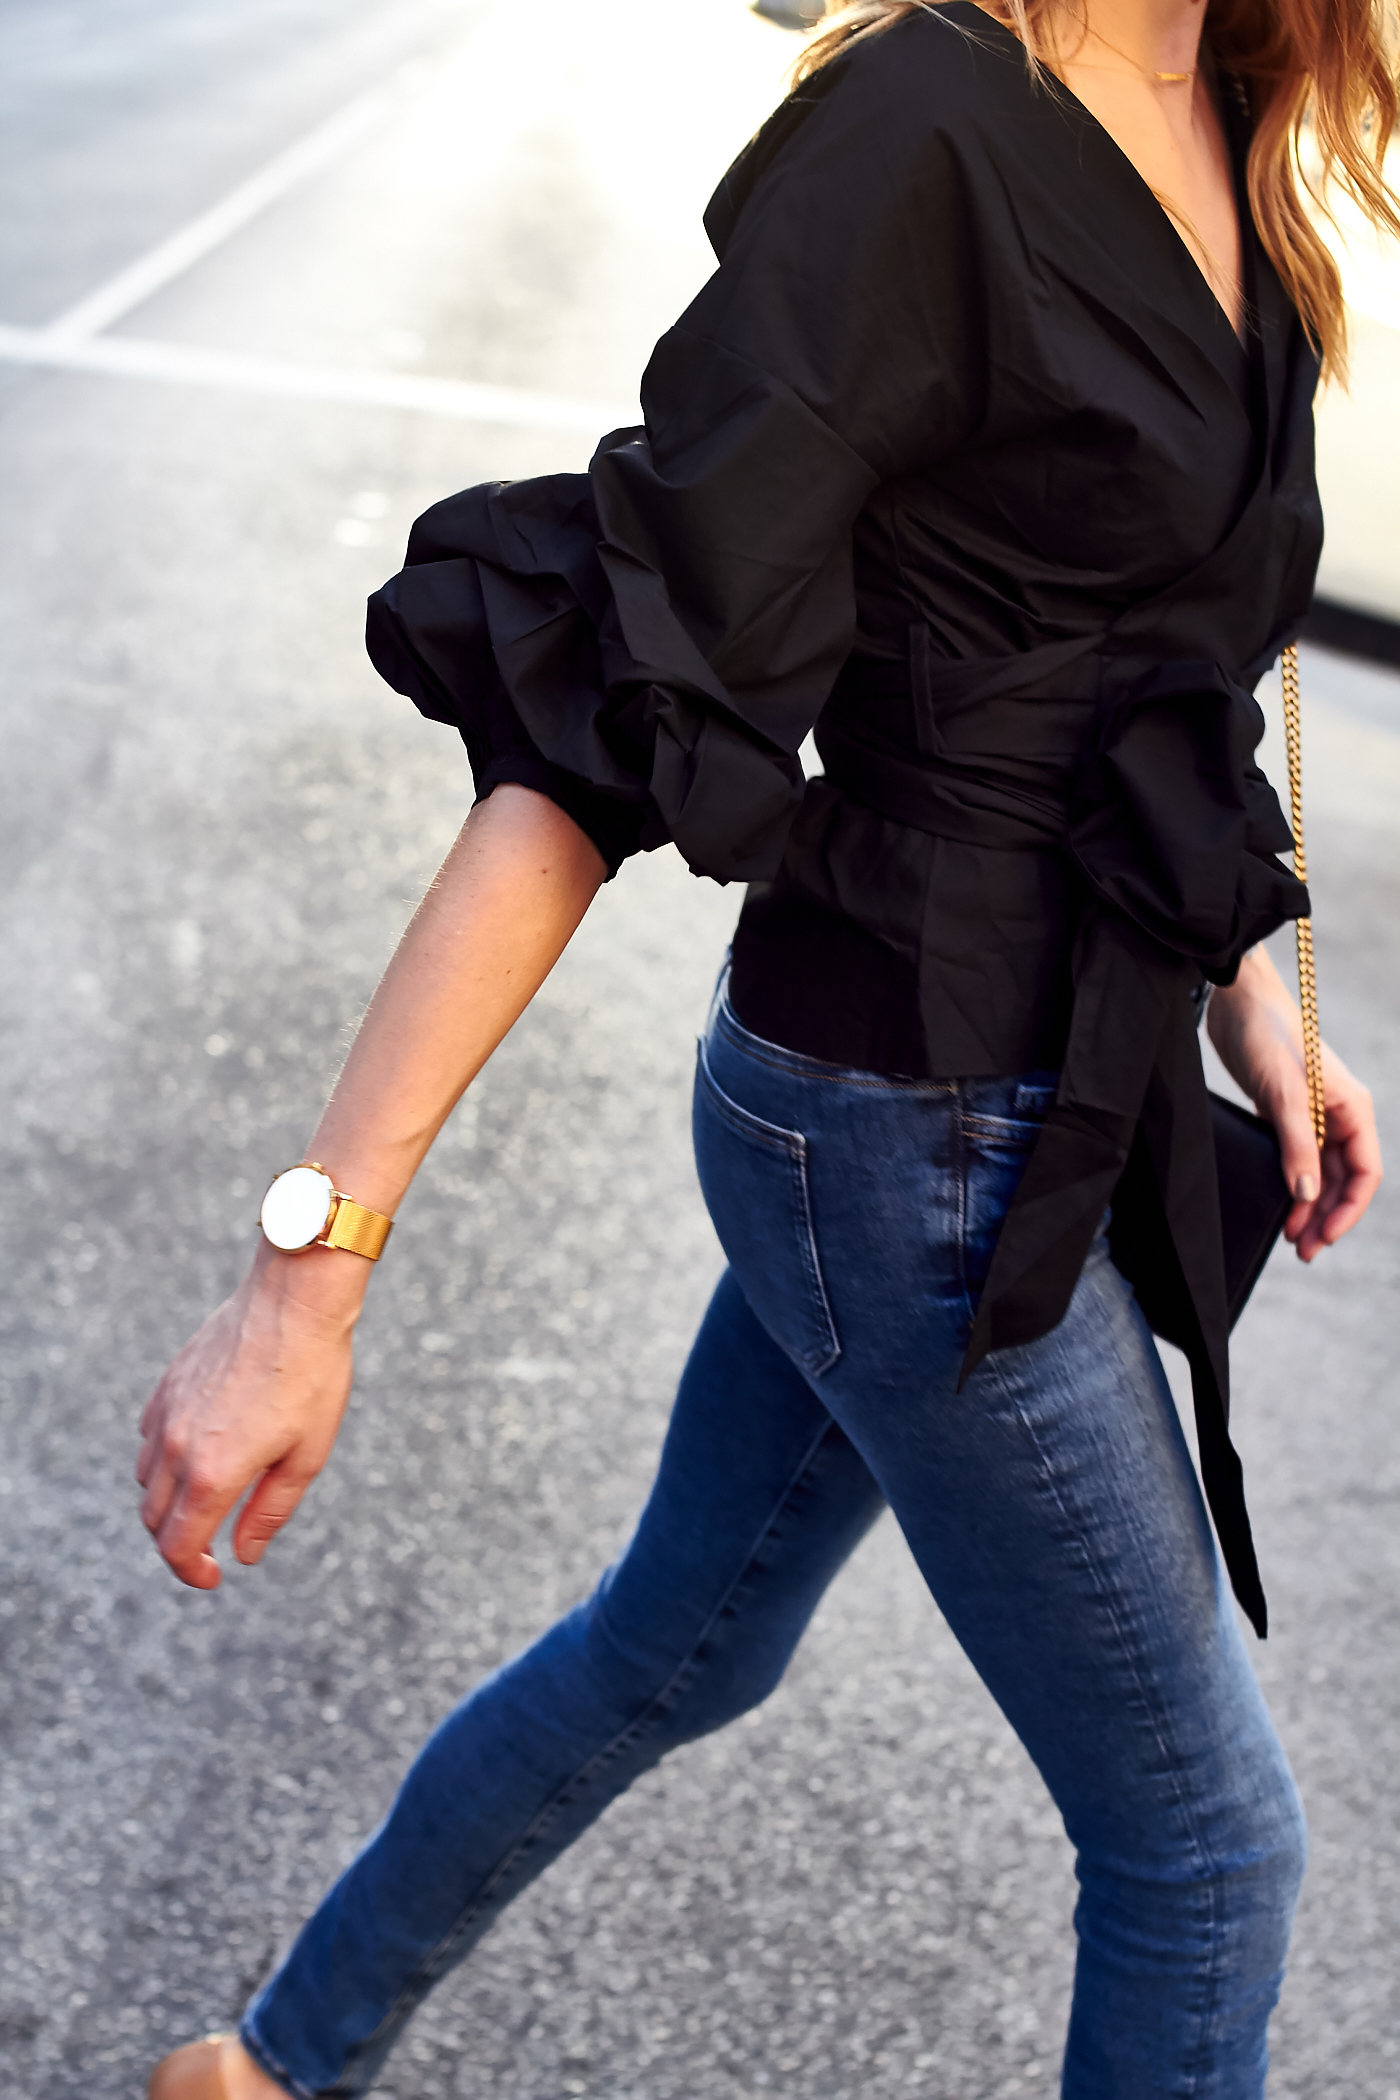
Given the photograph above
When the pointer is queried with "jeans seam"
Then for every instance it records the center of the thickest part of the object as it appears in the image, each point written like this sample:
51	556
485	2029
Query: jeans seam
752	1129
961	1178
743	1122
251	2040
1009	1133
625	1739
1151	1705
811	1256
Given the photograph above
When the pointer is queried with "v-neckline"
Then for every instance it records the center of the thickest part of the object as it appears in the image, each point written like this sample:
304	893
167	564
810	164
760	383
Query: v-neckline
1240	351
1243	222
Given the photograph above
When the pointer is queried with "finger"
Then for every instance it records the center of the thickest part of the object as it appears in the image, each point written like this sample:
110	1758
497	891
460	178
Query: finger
1339	1219
201	1502
150	1454
1302	1218
161	1467
1308	1239
267	1509
1351	1176
160	1493
1297	1141
149	1428
152	1411
1337	1213
199	1572
1362	1169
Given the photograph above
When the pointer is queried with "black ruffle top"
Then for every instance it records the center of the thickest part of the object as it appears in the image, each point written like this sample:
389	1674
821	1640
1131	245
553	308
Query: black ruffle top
957	459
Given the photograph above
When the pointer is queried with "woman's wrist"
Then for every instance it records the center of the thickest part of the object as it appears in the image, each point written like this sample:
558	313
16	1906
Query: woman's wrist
1257	979
1257	1031
327	1284
1257	997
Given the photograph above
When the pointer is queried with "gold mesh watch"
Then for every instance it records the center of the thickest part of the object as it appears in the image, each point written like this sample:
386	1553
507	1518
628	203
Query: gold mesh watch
304	1208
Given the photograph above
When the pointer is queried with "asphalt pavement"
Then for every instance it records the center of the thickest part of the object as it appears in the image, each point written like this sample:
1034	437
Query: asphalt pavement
216	822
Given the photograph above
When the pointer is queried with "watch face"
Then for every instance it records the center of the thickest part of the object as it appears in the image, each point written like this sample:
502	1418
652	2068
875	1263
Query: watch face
296	1207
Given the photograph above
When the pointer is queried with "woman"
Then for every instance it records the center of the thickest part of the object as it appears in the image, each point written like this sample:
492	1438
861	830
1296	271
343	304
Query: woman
987	449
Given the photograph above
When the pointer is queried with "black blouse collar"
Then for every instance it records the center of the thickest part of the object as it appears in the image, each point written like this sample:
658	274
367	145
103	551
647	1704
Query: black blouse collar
1142	236
1140	232
1110	196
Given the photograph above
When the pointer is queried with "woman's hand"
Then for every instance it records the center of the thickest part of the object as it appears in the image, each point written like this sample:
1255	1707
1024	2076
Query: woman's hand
259	1392
256	1395
1258	1031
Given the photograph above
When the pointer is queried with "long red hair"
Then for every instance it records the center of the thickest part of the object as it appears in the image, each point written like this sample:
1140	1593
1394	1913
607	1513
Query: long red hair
1322	78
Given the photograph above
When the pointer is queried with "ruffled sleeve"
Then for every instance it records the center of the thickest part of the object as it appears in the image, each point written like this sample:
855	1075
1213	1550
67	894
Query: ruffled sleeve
649	643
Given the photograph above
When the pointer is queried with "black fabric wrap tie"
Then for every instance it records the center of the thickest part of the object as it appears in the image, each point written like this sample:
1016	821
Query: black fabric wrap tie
1152	790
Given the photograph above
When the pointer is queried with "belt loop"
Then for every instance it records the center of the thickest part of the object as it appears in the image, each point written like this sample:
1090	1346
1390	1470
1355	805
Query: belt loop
921	692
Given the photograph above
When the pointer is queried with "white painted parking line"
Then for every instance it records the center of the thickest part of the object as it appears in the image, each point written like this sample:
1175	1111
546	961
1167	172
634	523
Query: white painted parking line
185	364
75	340
170	258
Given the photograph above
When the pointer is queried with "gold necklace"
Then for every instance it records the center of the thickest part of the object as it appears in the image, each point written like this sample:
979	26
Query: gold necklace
1147	72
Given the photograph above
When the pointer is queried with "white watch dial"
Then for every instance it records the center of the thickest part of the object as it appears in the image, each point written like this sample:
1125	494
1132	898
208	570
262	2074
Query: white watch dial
296	1207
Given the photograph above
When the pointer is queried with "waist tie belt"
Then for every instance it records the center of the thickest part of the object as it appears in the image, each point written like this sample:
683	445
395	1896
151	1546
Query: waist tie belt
1152	791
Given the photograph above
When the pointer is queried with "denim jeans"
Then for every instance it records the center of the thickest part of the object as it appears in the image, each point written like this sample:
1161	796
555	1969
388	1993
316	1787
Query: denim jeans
1051	1507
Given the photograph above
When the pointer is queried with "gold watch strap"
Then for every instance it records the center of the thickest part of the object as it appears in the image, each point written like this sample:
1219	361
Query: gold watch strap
351	1227
357	1230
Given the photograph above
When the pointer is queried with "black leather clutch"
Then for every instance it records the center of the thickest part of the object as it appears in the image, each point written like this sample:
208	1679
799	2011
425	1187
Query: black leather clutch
1254	1202
1254	1198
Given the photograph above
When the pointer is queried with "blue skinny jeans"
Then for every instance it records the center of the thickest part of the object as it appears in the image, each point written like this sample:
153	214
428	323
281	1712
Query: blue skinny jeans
1051	1507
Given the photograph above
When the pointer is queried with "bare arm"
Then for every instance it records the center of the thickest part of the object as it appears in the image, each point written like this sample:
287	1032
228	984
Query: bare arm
1256	1027
258	1393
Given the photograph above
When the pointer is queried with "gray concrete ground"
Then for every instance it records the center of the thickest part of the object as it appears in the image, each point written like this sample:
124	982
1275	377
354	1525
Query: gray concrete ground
215	824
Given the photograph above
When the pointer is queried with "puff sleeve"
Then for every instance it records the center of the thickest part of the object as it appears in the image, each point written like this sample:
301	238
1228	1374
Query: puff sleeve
649	643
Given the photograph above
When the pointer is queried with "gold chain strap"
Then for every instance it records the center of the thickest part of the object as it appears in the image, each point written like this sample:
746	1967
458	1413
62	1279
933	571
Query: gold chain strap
1307	975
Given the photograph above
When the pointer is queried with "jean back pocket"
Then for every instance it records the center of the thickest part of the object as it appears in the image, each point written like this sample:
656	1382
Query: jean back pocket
754	1179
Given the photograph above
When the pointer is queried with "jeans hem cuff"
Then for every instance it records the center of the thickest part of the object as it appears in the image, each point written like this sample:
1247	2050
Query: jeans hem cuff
270	2066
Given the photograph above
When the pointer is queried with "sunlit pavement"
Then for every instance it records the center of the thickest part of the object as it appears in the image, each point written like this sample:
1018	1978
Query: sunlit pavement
215	823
